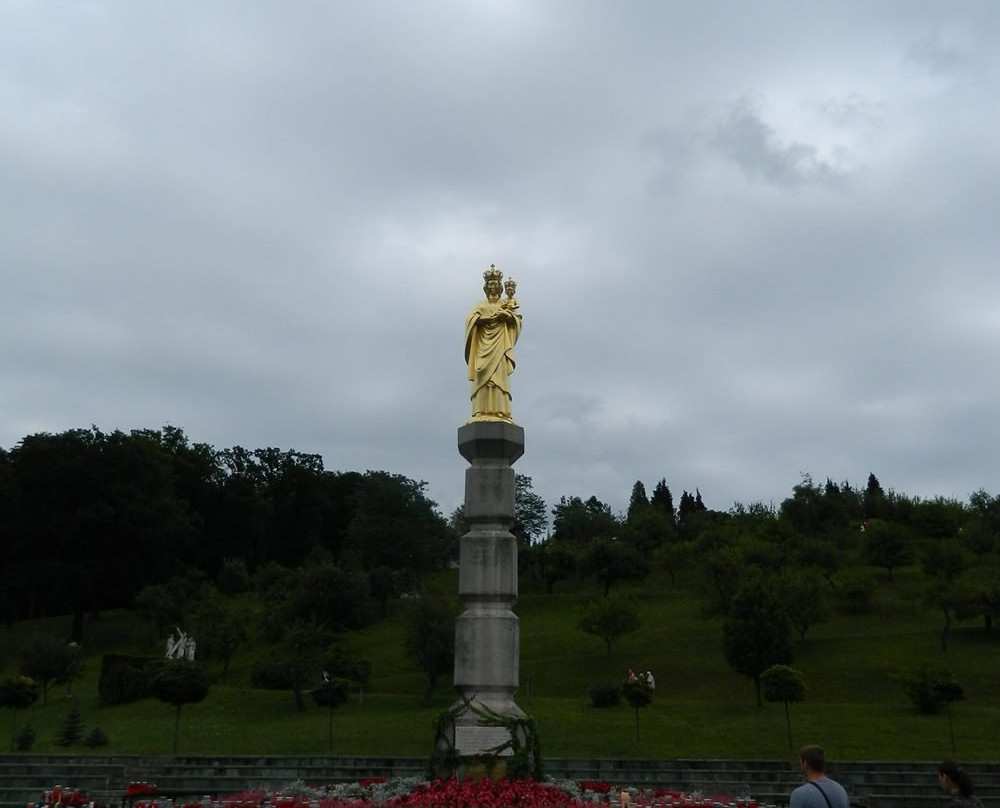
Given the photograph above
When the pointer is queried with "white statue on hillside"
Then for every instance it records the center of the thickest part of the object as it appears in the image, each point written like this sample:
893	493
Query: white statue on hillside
182	647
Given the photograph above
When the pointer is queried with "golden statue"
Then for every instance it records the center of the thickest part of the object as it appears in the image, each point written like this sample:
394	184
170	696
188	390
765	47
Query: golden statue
491	331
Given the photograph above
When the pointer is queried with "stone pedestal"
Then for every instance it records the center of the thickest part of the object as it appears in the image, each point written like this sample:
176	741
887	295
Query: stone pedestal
487	641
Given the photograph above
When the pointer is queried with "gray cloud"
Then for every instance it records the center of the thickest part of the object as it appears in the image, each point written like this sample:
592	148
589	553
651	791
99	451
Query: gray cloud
751	241
742	135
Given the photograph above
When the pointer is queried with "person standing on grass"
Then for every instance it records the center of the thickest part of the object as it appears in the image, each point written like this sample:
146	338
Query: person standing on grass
955	782
819	791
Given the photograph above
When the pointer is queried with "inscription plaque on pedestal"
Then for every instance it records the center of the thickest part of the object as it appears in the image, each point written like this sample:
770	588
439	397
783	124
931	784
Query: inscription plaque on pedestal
477	740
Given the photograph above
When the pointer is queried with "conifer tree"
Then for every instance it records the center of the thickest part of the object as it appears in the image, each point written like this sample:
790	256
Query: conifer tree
638	502
71	730
663	501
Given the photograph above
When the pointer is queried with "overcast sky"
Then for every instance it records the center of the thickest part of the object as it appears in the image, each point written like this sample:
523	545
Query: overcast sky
752	240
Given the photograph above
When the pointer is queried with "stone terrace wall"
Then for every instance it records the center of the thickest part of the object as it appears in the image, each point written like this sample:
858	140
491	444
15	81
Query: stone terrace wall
881	784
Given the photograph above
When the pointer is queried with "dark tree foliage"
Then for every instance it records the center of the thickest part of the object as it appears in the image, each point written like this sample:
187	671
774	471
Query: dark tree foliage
296	663
874	498
104	507
929	688
322	595
551	561
783	683
648	530
331	694
233	578
806	599
50	660
179	682
395	525
340	664
18	694
580	523
757	634
163	606
638	502
938	518
813	509
430	638
220	630
124	679
888	545
605	694
978	595
639	694
530	519
96	737
120	511
609	619
663	501
611	562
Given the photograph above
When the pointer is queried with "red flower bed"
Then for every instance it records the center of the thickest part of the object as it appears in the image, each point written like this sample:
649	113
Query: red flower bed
486	793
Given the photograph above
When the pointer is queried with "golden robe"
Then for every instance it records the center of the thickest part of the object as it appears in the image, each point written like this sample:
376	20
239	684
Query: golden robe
490	334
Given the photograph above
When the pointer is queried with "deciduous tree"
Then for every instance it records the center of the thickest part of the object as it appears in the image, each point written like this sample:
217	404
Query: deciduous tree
639	694
331	694
179	682
888	545
610	619
430	638
756	634
17	694
580	523
47	659
611	562
783	683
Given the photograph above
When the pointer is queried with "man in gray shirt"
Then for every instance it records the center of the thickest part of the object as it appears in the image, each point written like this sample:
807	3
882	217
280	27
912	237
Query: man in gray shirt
819	791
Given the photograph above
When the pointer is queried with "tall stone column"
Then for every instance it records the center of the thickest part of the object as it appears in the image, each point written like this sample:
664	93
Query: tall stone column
487	640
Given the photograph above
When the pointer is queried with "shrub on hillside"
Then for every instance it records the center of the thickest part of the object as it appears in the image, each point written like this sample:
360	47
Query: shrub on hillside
24	739
96	737
233	578
930	689
270	675
605	694
124	679
856	593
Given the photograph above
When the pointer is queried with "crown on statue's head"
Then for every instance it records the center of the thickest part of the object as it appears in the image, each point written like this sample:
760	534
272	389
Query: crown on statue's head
492	274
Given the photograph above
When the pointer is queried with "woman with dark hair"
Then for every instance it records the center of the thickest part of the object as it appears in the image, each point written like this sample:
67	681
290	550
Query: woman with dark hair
955	781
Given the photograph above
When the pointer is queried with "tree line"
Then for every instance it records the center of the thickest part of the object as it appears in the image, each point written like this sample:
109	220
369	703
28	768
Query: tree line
88	518
150	520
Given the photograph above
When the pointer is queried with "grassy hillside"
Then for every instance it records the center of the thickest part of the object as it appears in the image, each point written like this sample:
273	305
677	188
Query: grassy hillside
701	708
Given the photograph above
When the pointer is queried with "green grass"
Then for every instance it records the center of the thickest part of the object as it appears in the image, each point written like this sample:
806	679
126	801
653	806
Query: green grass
701	708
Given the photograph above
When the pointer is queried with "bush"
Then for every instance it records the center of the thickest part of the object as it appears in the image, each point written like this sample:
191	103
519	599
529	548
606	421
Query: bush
233	578
24	739
270	675
124	679
95	737
339	663
605	694
929	688
856	593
